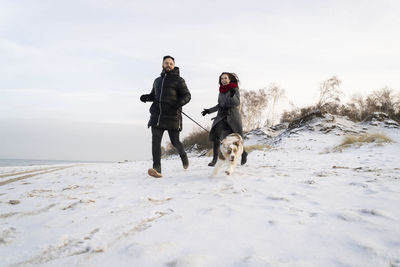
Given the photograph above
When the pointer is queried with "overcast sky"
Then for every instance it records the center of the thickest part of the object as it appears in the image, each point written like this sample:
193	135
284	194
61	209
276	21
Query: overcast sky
71	72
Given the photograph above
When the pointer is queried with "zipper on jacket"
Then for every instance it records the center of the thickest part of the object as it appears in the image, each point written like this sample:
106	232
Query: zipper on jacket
162	86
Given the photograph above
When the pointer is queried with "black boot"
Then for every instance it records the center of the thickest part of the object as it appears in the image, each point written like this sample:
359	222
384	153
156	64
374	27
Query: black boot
215	154
185	161
244	158
213	162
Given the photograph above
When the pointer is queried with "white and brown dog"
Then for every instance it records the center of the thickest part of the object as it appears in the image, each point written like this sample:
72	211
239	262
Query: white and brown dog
230	150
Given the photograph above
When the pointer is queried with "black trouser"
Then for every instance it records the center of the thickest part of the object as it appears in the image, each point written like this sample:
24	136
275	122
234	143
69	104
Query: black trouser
222	130
157	135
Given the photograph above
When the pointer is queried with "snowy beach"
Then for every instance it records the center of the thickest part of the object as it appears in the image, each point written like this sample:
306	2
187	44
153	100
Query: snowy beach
296	203
94	93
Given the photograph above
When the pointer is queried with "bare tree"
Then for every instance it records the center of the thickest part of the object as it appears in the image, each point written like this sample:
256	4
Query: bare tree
252	106
384	99
396	107
329	96
397	103
274	93
359	105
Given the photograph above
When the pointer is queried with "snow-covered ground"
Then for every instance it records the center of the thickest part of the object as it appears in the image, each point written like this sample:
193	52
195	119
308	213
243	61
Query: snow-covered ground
296	204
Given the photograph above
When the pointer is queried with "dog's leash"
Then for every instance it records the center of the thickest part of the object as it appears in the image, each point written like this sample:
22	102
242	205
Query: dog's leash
195	122
200	125
180	108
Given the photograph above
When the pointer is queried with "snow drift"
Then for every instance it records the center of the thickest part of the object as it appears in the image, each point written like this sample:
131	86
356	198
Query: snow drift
292	204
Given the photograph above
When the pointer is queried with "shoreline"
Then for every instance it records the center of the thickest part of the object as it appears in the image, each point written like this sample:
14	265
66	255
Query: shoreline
38	162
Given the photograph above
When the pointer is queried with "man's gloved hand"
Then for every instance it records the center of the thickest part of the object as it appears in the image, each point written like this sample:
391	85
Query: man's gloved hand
205	111
232	91
145	98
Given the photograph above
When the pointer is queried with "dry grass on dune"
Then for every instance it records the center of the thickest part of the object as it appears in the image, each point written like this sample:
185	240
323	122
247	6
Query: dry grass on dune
257	147
352	140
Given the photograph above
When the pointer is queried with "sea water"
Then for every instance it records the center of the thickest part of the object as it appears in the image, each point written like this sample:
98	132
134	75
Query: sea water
32	162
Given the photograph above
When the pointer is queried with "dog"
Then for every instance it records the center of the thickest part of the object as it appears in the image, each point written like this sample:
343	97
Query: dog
229	152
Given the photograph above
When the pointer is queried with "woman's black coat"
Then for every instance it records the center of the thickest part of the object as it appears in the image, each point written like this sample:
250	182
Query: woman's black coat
228	108
169	94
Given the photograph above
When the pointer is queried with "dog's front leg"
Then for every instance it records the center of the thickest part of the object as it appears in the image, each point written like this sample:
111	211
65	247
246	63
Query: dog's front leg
232	165
217	167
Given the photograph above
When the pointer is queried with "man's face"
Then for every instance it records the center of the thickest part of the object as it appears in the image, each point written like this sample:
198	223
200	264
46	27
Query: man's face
168	65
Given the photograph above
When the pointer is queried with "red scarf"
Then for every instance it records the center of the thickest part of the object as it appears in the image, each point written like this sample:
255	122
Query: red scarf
225	88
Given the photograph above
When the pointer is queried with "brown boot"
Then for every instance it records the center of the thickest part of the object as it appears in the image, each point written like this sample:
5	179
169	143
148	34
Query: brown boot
155	172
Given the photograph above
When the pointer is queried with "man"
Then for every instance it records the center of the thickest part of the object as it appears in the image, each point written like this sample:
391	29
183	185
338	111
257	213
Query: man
168	95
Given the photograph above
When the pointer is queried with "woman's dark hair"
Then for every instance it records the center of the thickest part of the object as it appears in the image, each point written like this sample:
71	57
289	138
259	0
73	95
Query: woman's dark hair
232	77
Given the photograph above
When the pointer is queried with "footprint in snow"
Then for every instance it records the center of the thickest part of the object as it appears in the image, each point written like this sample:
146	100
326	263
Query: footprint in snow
370	212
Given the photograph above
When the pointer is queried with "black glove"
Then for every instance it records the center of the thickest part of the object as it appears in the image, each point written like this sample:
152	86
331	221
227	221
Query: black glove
145	98
205	111
232	91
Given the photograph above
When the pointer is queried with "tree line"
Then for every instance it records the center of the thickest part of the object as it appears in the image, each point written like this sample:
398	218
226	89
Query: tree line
258	108
359	107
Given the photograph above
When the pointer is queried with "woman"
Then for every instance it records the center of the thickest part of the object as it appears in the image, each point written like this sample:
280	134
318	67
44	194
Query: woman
228	118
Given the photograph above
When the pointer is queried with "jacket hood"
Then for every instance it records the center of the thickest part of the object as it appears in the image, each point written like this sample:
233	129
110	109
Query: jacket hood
175	71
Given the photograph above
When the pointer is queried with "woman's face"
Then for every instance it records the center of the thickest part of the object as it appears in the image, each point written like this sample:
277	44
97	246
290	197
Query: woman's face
225	79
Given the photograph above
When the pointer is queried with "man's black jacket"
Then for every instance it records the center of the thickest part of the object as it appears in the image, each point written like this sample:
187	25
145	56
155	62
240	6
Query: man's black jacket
169	94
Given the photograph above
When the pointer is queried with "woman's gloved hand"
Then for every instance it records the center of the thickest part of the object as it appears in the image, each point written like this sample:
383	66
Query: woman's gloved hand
232	91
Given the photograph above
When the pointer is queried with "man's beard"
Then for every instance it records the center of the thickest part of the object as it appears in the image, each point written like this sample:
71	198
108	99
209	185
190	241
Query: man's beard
167	70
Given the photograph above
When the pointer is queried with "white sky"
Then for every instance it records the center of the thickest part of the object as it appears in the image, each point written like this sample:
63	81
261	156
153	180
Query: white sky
71	72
